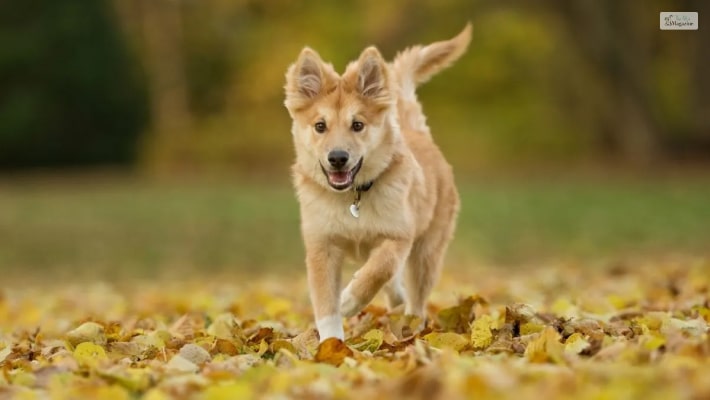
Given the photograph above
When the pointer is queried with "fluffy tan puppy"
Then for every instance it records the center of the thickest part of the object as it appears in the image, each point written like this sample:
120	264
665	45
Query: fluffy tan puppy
371	183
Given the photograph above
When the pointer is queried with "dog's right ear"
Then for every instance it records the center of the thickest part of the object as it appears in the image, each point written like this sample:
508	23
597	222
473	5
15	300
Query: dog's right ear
305	79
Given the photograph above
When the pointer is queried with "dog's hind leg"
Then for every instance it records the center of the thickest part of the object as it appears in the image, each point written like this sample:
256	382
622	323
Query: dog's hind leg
394	290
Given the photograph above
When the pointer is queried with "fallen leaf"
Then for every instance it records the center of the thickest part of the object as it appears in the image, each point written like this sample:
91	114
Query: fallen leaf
447	340
229	391
332	351
87	332
370	341
576	344
195	354
546	348
481	332
180	364
4	353
89	354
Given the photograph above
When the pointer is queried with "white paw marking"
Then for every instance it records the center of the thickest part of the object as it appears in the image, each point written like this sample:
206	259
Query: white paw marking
330	326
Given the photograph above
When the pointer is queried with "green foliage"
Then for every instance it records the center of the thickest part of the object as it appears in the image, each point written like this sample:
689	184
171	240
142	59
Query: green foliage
131	228
70	90
531	89
552	82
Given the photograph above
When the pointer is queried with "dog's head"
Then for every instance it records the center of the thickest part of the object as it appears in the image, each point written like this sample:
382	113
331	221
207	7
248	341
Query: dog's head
343	126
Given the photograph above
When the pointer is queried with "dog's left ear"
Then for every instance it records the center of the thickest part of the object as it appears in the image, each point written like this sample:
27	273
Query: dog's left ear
372	76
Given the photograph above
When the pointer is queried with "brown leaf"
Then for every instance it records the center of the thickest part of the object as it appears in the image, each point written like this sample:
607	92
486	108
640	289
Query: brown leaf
459	317
333	351
225	346
546	348
306	343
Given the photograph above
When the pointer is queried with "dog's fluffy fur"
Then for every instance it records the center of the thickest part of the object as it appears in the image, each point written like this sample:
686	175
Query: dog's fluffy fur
407	217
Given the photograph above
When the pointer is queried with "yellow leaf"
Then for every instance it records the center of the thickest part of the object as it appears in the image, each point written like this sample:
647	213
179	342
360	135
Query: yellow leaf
481	335
545	348
563	307
233	390
282	344
133	379
89	354
531	327
371	341
456	318
619	302
25	394
263	348
87	332
155	394
653	342
450	318
223	326
22	378
150	340
112	393
576	344
404	325
446	340
651	321
703	312
276	306
333	351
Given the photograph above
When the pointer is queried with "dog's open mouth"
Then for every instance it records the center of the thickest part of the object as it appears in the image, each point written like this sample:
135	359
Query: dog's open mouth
341	180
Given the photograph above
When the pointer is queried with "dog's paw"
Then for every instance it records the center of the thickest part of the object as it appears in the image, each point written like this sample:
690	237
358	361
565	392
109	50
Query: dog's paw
330	326
349	304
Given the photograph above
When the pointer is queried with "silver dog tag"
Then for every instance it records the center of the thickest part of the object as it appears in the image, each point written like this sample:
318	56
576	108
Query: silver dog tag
355	210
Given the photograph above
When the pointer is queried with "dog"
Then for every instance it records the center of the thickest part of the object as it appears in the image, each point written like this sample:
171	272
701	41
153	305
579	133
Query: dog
371	183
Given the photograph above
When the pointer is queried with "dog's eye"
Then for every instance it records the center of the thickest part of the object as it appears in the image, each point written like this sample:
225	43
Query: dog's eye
357	126
320	126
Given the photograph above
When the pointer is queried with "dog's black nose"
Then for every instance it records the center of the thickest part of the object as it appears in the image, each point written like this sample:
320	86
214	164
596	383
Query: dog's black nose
338	158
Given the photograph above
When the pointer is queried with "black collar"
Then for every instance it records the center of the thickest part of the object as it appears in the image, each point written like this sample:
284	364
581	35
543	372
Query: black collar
364	187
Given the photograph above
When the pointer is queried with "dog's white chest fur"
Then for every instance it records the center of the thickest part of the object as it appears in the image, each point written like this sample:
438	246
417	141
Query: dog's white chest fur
377	214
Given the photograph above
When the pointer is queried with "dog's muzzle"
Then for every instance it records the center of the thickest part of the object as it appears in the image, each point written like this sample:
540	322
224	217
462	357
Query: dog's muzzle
341	179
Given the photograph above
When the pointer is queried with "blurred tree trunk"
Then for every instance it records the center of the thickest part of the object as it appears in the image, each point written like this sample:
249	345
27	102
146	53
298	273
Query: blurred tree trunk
156	27
162	30
614	39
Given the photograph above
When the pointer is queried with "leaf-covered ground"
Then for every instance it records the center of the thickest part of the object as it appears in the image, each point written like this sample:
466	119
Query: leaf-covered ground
569	331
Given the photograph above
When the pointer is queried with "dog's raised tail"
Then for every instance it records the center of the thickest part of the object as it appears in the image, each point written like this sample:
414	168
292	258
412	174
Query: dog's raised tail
417	64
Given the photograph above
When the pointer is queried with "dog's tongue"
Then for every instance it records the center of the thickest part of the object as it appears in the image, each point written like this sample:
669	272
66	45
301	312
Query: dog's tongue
339	177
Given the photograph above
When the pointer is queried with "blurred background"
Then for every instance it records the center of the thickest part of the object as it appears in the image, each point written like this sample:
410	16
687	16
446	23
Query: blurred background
140	138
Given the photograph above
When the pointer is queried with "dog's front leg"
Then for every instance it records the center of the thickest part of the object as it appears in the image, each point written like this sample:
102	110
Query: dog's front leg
323	262
384	262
